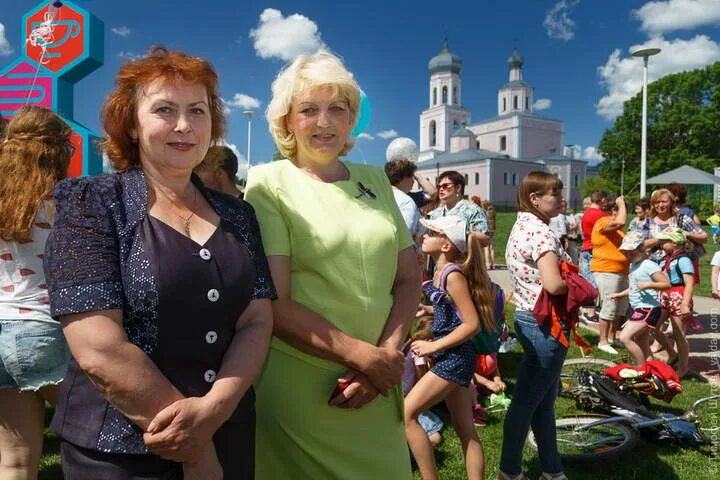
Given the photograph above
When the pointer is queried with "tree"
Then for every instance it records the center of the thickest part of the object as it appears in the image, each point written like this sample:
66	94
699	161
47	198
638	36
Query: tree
683	128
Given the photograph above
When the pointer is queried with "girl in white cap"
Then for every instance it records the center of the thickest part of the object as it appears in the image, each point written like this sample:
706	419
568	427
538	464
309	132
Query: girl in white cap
646	278
456	320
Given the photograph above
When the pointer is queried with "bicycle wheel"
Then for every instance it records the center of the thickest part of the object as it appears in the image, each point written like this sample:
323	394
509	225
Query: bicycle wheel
571	367
708	422
601	442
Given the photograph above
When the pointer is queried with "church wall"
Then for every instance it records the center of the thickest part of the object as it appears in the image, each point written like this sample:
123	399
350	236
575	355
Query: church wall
503	187
541	138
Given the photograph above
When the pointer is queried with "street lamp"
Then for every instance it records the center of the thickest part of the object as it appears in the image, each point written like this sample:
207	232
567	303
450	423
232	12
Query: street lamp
249	114
645	53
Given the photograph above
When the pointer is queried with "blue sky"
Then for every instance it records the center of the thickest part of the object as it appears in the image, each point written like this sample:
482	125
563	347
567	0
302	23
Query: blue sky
576	53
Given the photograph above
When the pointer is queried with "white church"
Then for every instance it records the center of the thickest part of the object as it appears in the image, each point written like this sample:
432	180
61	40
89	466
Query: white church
493	154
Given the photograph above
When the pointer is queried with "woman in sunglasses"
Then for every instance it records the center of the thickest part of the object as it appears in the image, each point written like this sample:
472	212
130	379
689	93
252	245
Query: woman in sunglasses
451	193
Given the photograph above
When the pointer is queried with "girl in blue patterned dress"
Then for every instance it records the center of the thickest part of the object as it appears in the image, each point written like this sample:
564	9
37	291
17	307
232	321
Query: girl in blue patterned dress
456	321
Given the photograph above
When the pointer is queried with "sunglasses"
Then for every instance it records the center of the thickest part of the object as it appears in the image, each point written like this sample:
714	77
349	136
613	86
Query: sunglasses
446	186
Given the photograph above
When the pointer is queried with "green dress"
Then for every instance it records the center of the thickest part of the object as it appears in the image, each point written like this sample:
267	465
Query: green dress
343	249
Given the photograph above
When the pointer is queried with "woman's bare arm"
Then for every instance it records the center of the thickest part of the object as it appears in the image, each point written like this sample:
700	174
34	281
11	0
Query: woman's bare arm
120	370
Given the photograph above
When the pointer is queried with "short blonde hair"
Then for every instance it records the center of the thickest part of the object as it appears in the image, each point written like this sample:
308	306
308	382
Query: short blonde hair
318	70
655	197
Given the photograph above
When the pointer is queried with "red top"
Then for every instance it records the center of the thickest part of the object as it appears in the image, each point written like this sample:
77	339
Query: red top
589	218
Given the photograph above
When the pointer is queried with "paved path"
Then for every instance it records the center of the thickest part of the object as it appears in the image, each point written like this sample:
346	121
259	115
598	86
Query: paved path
704	347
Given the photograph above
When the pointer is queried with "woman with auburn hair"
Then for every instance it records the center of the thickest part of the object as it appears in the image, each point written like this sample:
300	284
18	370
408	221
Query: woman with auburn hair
33	353
162	288
330	403
533	257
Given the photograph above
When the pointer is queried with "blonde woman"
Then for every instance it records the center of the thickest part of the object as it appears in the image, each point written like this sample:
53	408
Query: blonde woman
348	284
33	352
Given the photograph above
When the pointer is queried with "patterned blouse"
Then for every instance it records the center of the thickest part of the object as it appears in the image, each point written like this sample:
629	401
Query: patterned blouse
474	216
23	291
529	239
98	258
650	228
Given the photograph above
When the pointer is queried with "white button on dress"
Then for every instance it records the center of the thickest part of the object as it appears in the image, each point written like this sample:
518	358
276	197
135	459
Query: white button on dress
213	295
210	376
211	336
205	254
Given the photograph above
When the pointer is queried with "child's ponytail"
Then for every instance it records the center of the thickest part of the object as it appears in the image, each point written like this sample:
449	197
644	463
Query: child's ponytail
482	290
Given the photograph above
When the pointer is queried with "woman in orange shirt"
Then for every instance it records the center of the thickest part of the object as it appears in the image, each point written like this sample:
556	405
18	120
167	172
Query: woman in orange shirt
610	270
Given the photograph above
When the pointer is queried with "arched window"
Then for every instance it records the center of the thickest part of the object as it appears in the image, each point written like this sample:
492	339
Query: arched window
444	95
477	144
466	179
434	95
527	103
433	132
456	125
504	104
515	102
454	99
477	178
514	179
505	178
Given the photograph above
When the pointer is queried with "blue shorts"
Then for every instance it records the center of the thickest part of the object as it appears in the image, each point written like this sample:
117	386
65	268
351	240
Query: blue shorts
714	229
430	422
33	354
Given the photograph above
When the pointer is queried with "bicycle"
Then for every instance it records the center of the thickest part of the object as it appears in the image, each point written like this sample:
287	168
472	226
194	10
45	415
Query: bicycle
589	438
593	438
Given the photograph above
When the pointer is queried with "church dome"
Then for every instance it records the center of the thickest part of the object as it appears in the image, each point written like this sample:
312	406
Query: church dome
445	61
515	60
463	132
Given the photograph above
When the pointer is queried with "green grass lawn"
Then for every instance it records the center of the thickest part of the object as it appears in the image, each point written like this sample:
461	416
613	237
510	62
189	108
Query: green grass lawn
646	461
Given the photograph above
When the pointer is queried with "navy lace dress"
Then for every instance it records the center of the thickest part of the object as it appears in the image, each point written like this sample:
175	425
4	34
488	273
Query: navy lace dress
456	364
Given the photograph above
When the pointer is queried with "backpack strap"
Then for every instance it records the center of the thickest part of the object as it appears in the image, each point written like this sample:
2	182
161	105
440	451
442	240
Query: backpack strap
450	268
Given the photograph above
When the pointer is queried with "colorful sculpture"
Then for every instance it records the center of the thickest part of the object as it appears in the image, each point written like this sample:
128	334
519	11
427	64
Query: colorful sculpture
61	44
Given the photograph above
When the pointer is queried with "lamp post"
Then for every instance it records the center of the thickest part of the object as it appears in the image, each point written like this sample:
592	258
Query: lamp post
249	114
644	53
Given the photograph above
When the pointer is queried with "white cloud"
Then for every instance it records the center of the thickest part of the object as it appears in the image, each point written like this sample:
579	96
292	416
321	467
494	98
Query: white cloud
130	55
122	31
285	37
542	104
365	136
623	76
385	134
659	17
5	48
240	101
558	23
591	153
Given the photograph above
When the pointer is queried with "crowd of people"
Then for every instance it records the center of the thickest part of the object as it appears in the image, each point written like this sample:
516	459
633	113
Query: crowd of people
182	328
645	273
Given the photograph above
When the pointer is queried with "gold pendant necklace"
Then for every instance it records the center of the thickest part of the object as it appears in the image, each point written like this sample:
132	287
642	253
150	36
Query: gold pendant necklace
185	221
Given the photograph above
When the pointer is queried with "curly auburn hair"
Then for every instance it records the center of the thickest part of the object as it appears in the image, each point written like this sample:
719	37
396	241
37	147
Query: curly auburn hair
34	156
119	113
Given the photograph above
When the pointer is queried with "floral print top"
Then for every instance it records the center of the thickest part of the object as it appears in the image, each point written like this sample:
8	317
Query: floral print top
529	239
